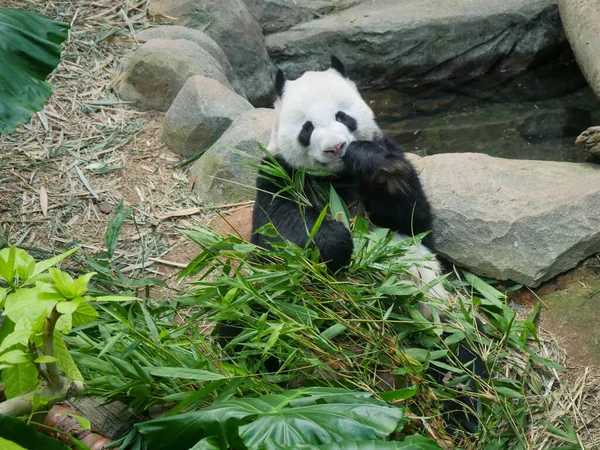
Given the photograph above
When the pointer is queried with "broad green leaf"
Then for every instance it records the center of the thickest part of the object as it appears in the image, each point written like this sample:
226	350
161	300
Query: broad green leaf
63	282
65	321
30	47
84	314
206	444
182	372
414	442
14	430
80	286
297	417
33	303
64	360
51	262
16	337
15	357
8	445
19	379
322	424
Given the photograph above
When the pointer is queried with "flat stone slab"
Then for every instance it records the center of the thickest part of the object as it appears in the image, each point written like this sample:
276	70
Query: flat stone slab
404	43
525	221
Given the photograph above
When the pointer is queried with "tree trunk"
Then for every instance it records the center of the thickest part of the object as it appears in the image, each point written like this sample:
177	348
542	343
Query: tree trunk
581	21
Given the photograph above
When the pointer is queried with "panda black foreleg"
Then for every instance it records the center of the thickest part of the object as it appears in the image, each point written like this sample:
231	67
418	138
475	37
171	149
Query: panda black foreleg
391	191
295	224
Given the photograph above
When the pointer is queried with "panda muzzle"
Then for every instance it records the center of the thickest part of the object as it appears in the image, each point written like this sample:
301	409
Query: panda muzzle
336	150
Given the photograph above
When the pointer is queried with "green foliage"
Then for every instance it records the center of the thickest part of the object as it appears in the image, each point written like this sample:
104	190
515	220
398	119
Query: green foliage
359	334
41	304
303	416
30	47
16	435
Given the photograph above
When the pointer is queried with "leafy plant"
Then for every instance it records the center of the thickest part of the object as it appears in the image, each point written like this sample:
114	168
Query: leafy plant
16	435
314	416
30	47
41	304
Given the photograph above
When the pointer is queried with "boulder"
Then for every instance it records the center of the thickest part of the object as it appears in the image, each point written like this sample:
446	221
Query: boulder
581	20
222	176
157	70
525	221
236	31
555	123
412	44
278	15
174	32
200	114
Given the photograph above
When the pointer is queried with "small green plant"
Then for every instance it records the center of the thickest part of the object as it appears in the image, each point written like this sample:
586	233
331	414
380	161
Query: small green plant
310	416
40	305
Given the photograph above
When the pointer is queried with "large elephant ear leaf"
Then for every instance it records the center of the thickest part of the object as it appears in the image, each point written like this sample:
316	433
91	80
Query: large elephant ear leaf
30	47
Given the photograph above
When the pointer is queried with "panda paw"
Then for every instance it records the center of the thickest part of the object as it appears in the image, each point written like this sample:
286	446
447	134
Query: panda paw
378	166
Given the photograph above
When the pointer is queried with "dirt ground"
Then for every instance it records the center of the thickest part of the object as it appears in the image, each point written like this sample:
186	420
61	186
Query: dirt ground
63	174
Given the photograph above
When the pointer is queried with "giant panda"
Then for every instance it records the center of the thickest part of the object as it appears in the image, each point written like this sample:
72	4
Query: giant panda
323	123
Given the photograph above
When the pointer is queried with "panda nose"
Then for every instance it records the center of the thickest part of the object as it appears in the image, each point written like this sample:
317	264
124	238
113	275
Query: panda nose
336	150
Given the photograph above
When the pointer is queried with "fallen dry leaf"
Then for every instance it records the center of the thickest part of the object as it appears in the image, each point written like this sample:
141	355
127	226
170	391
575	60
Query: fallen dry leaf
44	201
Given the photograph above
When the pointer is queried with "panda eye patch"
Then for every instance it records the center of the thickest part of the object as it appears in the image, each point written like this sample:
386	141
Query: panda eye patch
305	133
347	120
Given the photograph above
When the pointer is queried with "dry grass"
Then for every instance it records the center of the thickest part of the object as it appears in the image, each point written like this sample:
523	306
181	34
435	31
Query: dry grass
87	150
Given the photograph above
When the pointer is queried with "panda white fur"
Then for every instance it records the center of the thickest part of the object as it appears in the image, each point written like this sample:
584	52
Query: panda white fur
323	123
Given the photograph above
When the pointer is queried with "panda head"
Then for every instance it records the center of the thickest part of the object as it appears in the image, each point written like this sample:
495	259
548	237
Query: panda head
317	116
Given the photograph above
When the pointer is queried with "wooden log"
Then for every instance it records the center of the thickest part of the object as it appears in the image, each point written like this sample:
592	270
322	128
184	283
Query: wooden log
112	419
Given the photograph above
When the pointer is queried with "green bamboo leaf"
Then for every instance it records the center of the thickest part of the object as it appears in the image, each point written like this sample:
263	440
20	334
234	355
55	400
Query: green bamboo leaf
493	296
30	47
182	372
114	227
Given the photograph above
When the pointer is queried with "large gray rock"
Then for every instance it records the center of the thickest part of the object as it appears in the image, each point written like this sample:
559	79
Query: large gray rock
412	43
200	114
278	15
156	71
525	221
220	175
202	39
236	31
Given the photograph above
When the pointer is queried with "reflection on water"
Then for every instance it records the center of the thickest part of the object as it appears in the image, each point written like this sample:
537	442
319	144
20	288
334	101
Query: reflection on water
540	130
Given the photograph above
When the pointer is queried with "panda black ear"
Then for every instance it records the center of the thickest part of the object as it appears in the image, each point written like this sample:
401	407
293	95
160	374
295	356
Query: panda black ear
279	83
338	65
